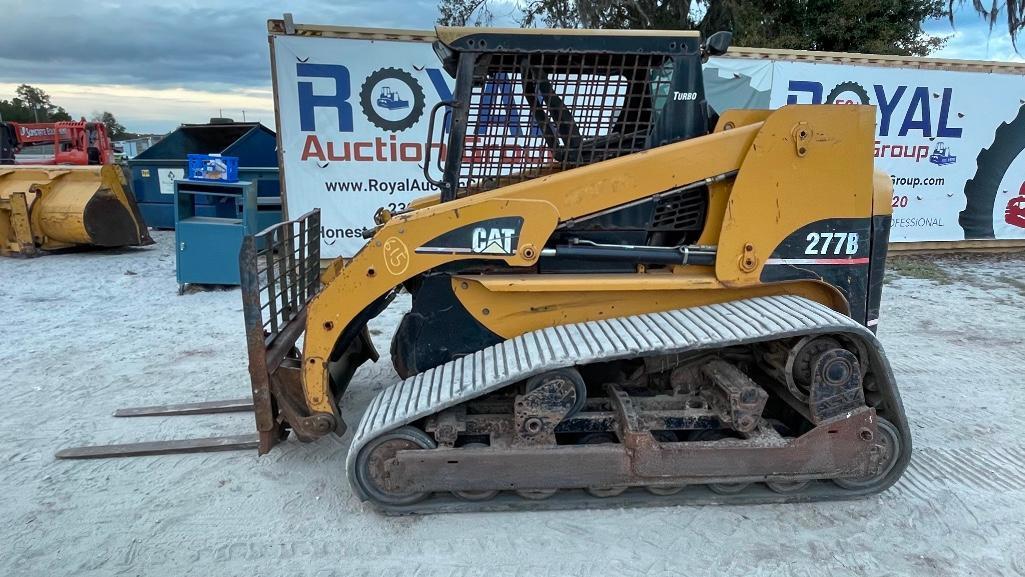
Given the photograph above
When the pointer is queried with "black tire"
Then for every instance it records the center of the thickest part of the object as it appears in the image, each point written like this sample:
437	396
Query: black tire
992	163
366	99
847	87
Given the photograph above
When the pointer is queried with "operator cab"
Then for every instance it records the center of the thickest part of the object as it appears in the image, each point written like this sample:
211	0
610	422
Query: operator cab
530	102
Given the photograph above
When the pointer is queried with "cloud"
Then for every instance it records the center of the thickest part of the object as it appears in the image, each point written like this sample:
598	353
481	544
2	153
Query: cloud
200	45
970	38
157	110
155	64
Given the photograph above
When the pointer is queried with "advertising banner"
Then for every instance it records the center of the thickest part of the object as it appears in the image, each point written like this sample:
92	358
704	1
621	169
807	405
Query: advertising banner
353	117
353	122
951	141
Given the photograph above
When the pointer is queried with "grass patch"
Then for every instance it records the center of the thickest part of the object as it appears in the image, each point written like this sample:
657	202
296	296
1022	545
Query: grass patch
916	267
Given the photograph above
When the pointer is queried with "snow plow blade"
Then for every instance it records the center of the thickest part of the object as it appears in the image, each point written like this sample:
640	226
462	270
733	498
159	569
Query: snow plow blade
45	208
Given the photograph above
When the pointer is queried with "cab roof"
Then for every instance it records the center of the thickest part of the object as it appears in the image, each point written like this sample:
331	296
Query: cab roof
466	39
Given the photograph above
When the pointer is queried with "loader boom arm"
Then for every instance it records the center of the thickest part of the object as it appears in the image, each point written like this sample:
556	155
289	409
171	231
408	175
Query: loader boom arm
791	164
391	257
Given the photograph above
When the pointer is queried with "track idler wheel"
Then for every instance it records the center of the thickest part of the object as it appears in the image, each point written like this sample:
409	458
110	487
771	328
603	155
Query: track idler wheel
372	472
890	450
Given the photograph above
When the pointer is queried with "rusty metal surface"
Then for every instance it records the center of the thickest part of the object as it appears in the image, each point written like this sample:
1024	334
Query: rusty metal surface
201	408
538	412
177	446
738	399
834	449
280	269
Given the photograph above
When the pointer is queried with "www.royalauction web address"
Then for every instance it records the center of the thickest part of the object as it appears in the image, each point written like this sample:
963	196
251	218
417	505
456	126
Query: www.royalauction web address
376	185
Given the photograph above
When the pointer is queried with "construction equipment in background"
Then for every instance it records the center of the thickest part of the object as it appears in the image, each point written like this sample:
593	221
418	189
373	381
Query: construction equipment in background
622	299
78	143
75	198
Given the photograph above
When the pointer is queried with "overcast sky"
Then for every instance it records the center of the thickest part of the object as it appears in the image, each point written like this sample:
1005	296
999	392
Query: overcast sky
158	64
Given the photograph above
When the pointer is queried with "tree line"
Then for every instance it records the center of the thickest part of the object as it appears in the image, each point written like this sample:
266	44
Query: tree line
32	104
868	26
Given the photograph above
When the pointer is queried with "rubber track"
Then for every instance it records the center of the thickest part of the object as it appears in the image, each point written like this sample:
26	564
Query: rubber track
670	332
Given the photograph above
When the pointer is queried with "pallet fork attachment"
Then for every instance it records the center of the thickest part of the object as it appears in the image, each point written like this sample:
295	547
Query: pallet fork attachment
201	408
174	446
280	271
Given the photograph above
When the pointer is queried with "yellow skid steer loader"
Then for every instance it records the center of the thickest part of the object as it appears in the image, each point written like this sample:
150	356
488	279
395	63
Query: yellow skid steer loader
619	297
616	294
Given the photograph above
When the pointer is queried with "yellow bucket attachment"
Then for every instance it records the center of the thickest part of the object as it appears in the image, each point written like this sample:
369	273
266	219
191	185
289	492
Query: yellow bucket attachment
55	207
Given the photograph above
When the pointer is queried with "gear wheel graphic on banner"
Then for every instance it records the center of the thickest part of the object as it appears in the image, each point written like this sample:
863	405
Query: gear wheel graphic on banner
993	162
848	86
392	99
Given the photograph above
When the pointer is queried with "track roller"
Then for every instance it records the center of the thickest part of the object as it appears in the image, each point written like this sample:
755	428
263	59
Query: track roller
568	375
786	487
537	494
475	495
597	439
727	488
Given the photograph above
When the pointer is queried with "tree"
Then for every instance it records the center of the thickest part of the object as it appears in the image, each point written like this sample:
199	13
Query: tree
1015	16
35	99
31	105
869	26
461	13
115	130
38	102
876	26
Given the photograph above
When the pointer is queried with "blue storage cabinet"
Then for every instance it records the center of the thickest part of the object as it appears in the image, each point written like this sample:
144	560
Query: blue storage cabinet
154	171
207	246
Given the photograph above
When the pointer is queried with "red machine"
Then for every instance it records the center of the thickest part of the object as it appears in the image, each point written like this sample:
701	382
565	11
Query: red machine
79	143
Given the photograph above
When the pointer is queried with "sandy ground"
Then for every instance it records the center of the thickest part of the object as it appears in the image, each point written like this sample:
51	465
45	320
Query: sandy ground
84	334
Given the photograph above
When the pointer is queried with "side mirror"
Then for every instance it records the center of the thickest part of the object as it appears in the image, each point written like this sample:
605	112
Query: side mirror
718	43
